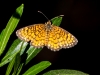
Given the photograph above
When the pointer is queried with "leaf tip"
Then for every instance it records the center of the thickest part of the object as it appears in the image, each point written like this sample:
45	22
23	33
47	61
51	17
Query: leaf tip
22	5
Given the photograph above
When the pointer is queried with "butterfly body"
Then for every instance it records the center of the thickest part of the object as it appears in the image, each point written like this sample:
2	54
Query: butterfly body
48	26
51	36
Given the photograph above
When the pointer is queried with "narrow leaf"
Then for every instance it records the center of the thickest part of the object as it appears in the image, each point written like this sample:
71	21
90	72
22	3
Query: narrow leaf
31	53
57	20
12	47
17	63
10	66
20	68
13	53
37	68
11	25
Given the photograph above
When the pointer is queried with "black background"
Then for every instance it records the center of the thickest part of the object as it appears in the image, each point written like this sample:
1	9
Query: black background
81	18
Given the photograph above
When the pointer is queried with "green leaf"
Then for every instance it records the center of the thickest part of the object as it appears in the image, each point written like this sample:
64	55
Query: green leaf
37	68
57	20
17	63
11	25
1	35
10	66
12	47
31	53
20	68
65	72
20	47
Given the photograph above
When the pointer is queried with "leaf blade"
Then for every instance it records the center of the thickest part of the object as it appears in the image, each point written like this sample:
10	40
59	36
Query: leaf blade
10	66
11	25
57	20
13	53
32	52
37	68
64	72
12	47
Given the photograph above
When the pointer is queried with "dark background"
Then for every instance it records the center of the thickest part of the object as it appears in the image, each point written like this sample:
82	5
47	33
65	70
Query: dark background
81	18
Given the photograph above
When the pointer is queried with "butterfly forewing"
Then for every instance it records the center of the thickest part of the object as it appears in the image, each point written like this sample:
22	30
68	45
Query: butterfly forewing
33	33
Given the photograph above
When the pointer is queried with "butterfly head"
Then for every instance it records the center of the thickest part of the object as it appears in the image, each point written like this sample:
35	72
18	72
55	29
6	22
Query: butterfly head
48	25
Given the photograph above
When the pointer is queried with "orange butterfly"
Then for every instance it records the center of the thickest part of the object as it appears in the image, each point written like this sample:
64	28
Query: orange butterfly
40	35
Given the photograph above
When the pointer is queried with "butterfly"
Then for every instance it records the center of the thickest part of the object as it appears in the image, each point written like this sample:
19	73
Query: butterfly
49	35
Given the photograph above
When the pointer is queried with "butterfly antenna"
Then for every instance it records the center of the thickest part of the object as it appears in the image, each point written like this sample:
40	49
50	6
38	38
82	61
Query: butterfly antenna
43	15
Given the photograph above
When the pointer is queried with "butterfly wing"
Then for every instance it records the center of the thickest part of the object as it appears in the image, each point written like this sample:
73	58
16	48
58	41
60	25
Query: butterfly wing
59	38
33	33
